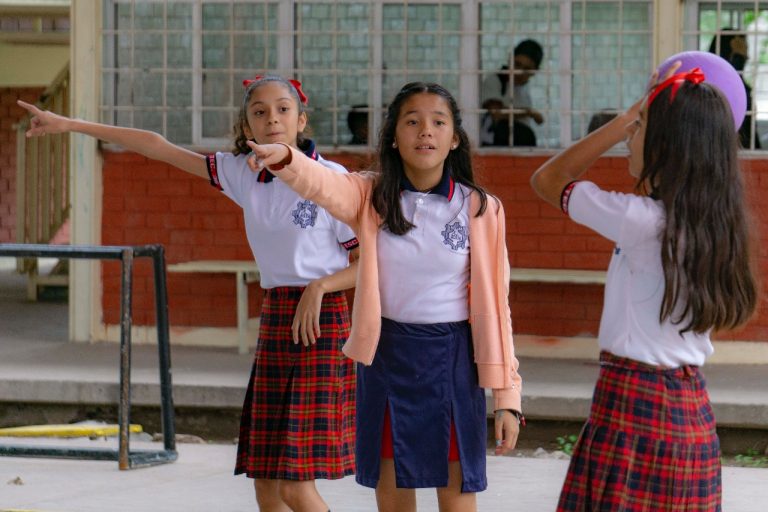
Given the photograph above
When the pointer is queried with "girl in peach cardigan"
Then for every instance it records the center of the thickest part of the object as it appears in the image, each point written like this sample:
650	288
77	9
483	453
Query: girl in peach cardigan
428	235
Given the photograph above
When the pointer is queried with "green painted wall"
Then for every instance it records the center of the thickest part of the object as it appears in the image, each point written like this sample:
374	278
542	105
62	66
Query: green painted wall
28	65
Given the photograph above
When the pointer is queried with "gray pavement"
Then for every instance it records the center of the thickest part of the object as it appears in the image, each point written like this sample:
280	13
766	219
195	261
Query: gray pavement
201	480
37	365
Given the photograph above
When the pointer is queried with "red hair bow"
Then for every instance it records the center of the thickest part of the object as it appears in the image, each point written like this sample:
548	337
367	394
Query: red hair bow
695	76
295	83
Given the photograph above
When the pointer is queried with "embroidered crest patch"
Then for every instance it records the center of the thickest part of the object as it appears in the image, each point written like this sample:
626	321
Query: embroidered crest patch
305	214
455	236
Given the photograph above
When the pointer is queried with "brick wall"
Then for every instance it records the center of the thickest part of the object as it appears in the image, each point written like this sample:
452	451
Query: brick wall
148	202
10	114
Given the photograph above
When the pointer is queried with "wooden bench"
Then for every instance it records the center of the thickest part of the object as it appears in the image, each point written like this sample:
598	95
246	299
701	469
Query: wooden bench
246	272
551	275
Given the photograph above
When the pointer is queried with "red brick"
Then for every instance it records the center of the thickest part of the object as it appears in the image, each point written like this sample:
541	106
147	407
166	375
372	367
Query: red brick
112	235
549	327
204	189
112	204
218	221
522	243
128	219
169	188
562	243
225	205
177	253
142	267
540	226
135	188
215	318
598	244
191	205
244	253
147	235
537	292
592	293
538	235
594	312
569	310
210	252
147	204
518	209
192	302
550	212
584	328
229	237
123	158
169	220
110	278
538	260
191	237
589	261
218	285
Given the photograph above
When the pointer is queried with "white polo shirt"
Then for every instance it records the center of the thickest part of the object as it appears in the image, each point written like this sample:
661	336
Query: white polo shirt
634	289
292	239
424	274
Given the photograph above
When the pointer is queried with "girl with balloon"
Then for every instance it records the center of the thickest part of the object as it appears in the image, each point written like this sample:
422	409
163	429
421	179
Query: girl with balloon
680	269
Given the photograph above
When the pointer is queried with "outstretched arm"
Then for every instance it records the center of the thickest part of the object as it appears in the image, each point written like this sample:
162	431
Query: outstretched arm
150	144
341	194
550	179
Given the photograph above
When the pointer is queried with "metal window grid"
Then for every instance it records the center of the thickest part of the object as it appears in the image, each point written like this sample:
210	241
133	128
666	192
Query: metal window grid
565	81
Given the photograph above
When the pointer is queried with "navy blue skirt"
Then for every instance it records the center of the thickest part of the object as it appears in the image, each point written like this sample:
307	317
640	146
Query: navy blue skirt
426	375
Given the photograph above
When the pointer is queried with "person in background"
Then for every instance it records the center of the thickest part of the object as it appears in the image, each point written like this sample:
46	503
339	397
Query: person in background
357	122
495	128
598	119
527	58
733	48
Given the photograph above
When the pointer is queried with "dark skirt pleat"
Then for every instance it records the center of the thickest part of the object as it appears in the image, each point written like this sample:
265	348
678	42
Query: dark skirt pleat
426	377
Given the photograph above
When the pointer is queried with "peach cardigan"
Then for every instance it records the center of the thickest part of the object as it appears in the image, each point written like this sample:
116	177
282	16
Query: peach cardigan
348	198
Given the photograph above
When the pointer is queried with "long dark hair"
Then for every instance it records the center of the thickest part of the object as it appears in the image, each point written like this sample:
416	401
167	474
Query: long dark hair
725	47
690	163
386	192
239	144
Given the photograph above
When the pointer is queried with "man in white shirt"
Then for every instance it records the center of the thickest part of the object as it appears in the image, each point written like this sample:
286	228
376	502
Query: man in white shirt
527	57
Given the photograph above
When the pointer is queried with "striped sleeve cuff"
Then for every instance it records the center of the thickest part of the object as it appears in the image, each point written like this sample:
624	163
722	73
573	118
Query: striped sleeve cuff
350	244
565	196
213	174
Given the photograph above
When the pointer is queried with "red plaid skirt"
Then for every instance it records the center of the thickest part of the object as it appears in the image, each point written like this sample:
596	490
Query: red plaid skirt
649	443
298	420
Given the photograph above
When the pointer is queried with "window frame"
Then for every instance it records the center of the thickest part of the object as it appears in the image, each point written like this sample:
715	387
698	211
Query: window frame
690	33
469	68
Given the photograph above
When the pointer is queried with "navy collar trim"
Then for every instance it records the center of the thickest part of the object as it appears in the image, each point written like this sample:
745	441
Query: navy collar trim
307	147
445	188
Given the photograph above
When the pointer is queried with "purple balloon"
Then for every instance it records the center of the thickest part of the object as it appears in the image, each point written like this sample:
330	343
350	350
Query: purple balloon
718	72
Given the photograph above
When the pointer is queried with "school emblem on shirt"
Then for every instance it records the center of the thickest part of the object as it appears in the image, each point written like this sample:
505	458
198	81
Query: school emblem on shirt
455	236
305	214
